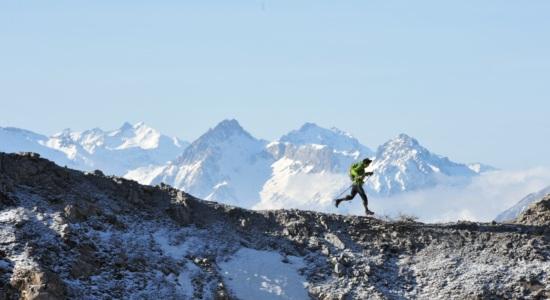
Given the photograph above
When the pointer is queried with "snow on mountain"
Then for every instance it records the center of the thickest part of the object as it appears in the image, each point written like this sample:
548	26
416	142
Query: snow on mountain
481	168
117	151
114	152
225	164
402	164
311	176
20	140
335	138
305	176
14	139
307	168
311	168
516	210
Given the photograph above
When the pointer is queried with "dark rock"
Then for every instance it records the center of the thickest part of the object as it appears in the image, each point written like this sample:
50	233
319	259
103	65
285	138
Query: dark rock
6	200
82	269
98	173
32	155
180	210
81	211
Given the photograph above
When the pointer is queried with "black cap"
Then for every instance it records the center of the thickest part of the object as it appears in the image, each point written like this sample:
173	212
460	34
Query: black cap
367	160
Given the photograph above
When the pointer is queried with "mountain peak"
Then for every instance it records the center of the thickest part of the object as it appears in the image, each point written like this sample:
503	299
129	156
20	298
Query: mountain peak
227	128
230	124
126	126
64	132
405	138
139	128
402	141
140	124
309	126
404	157
311	133
403	146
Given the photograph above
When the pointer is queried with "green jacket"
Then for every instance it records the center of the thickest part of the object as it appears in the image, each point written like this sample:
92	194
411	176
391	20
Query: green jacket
357	172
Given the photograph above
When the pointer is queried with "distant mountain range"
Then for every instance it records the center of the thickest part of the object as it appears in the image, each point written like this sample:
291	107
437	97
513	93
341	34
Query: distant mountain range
114	152
305	168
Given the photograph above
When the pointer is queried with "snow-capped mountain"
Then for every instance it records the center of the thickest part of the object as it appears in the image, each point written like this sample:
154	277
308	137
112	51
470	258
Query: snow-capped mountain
117	151
228	165
516	210
334	138
311	168
402	164
225	164
114	152
312	175
307	168
20	140
304	176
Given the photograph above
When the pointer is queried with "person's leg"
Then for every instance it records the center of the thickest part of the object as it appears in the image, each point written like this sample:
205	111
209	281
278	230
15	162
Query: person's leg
363	195
349	197
354	192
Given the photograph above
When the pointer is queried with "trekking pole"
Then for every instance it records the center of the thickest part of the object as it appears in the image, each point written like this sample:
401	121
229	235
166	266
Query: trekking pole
350	187
337	197
366	178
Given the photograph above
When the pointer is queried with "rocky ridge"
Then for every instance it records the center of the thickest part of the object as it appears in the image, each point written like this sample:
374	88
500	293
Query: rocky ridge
515	211
68	234
537	213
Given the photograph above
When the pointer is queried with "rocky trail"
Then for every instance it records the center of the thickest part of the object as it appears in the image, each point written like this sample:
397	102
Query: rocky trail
65	234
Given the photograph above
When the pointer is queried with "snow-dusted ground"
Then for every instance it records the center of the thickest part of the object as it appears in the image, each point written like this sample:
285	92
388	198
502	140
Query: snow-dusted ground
253	274
86	236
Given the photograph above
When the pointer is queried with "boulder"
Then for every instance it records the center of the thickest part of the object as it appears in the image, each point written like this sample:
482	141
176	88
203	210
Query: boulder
179	210
6	200
38	284
80	212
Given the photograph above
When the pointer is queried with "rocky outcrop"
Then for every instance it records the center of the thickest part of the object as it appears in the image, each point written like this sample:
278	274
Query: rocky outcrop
67	234
515	211
537	213
38	284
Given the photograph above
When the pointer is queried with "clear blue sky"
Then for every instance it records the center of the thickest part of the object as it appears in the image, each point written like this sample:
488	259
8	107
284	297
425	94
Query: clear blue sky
470	79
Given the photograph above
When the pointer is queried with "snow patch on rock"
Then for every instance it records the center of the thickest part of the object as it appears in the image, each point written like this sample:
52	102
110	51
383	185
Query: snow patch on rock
253	274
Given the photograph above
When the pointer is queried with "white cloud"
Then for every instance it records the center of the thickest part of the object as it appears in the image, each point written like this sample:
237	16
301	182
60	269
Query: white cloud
481	200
